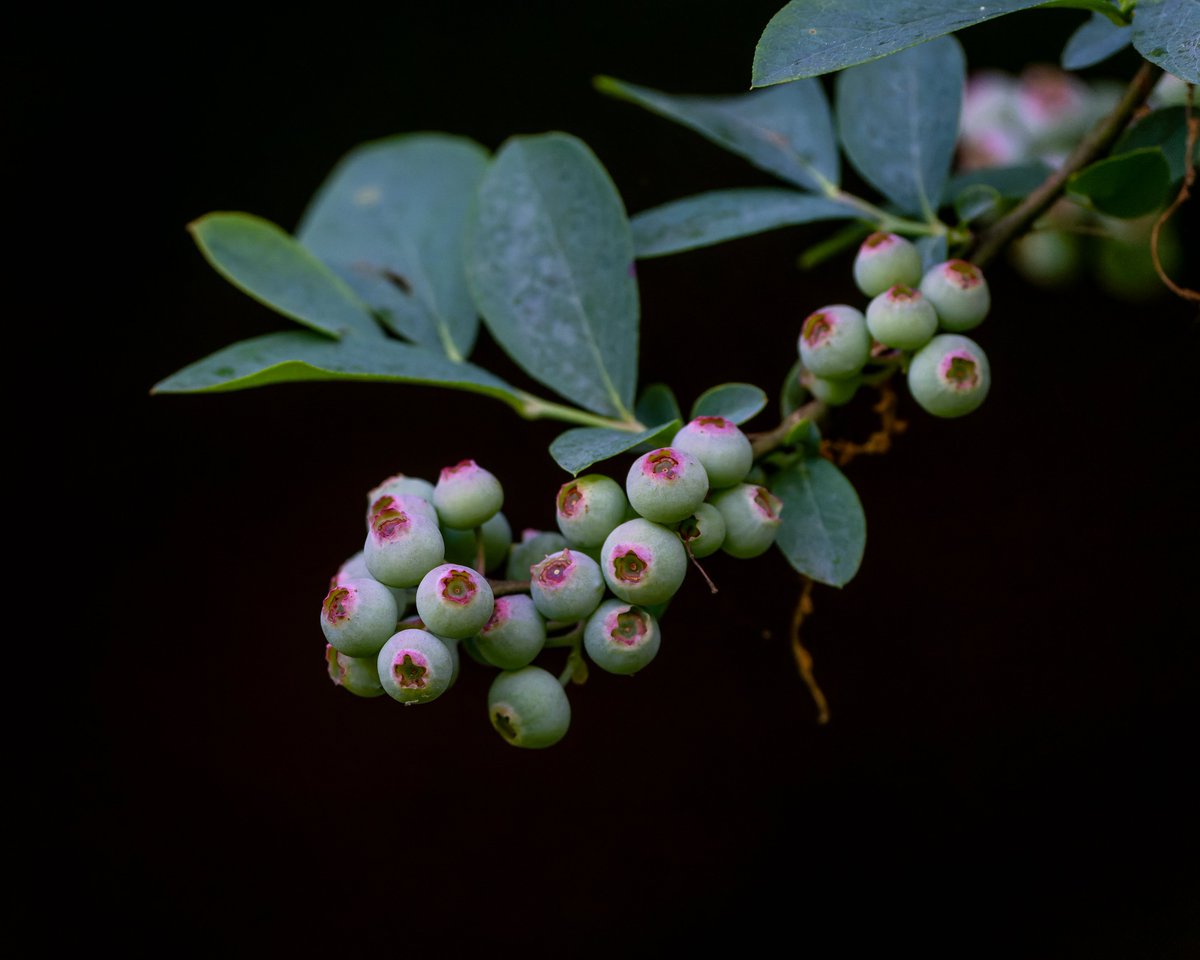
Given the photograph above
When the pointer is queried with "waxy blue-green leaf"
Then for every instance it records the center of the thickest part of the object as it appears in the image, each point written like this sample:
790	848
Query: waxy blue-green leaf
1125	186
551	265
824	530
1012	182
786	131
1166	129
810	37
389	220
898	121
580	447
720	215
657	404
261	259
298	355
1097	39
1167	32
933	250
733	401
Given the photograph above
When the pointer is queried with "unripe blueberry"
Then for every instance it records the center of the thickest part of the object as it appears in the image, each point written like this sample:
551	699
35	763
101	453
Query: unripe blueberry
885	259
949	376
643	562
399	483
403	502
359	675
588	508
833	393
834	341
415	666
703	532
720	446
402	547
566	586
529	708
454	601
357	617
534	547
514	635
466	495
620	637
959	294
497	538
355	567
900	317
752	519
666	485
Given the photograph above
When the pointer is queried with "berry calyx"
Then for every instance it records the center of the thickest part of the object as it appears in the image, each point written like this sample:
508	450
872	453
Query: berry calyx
834	341
666	485
949	376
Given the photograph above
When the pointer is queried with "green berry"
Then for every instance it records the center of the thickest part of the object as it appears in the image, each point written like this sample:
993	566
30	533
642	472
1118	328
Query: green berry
666	485
949	376
467	495
357	617
620	637
398	484
643	562
402	547
752	519
588	508
703	532
356	567
534	547
566	586
834	341
514	635
901	318
720	446
359	675
885	259
415	667
497	538
403	502
959	294
529	708
833	393
454	601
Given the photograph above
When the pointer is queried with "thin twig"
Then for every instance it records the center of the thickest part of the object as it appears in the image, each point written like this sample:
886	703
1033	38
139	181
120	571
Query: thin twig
804	660
1094	144
1185	191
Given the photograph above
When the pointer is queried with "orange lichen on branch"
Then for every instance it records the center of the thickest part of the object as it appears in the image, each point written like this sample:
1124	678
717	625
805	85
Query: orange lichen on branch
842	452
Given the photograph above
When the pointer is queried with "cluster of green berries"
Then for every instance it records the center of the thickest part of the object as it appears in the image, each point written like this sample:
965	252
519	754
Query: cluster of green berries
918	317
398	612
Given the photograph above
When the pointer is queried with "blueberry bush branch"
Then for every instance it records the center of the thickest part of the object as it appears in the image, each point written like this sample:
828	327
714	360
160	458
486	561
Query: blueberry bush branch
415	241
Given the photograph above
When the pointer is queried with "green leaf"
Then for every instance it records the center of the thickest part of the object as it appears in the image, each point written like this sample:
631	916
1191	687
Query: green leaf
1012	183
824	530
1167	32
389	220
786	131
810	37
262	260
1097	39
733	401
1165	128
844	238
898	120
719	215
933	250
550	262
1124	186
976	201
657	404
580	447
297	355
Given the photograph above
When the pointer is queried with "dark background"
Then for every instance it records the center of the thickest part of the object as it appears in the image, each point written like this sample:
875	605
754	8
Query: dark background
1011	762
